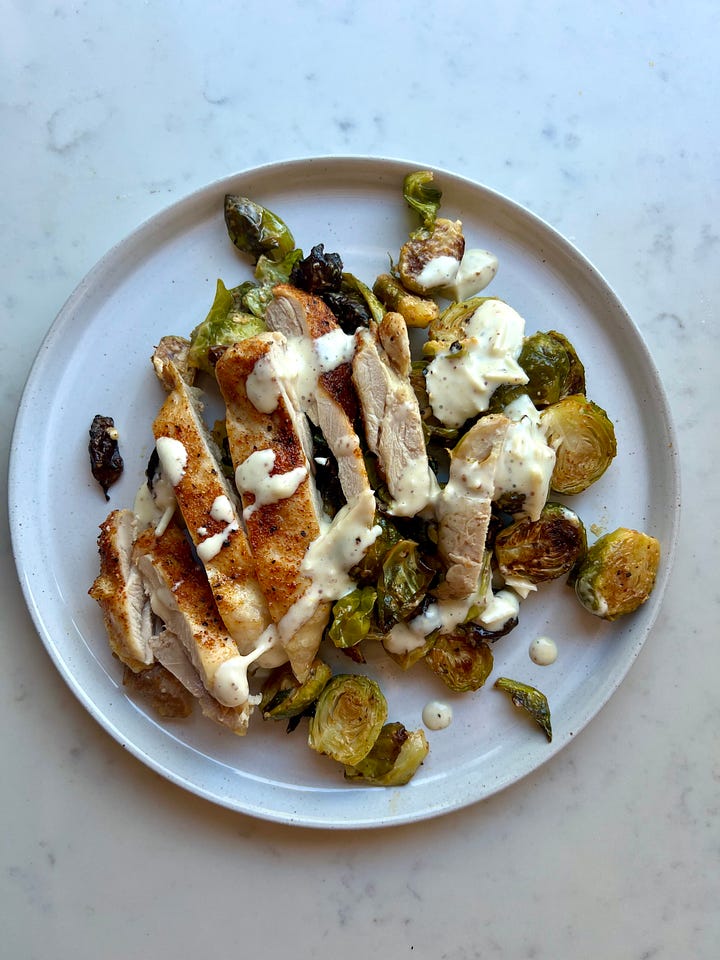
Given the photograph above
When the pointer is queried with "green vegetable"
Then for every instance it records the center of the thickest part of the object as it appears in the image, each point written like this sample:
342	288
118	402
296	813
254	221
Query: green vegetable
422	196
543	549
283	696
402	584
225	324
416	310
256	296
394	758
352	617
462	662
553	368
349	715
450	326
370	567
255	230
530	700
584	441
618	573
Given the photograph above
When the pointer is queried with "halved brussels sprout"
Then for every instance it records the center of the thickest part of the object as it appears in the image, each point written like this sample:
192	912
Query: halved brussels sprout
450	325
255	296
402	584
618	573
349	715
462	662
226	323
543	549
256	230
283	696
553	368
422	196
417	311
352	617
584	441
529	699
441	246
394	758
370	567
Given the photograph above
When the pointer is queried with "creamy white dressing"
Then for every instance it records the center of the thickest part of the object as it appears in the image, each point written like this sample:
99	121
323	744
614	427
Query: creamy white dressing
543	651
334	349
155	507
222	510
443	615
210	547
461	382
526	461
230	682
477	268
173	459
436	715
438	272
255	476
262	386
502	607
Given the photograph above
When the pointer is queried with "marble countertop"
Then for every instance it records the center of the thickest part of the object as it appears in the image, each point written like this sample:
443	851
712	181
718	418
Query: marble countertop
602	119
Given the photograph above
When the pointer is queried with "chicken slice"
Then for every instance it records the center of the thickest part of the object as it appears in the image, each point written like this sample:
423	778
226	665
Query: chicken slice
463	508
118	589
181	597
267	438
209	507
390	411
328	397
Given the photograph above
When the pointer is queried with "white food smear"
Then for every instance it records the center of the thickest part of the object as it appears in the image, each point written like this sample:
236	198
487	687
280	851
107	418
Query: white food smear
543	651
255	476
173	458
436	715
526	461
230	682
461	382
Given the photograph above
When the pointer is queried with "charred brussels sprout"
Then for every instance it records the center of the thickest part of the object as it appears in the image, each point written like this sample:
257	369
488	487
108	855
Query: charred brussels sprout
255	230
402	583
354	304
450	326
106	464
422	196
349	715
394	758
542	549
417	311
370	567
352	617
445	240
529	699
583	438
618	573
283	696
461	661
319	272
553	368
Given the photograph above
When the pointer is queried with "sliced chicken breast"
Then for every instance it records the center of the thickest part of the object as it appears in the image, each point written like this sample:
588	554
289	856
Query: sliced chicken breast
282	515
391	415
463	508
118	589
210	510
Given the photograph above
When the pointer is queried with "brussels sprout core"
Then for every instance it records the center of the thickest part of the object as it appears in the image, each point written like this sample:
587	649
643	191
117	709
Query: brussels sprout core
349	715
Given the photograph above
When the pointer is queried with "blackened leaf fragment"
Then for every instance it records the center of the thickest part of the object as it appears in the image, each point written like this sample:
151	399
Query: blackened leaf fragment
530	699
319	272
105	460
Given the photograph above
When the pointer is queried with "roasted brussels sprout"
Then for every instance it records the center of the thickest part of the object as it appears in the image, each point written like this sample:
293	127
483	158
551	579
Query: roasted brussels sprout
283	696
370	567
319	272
349	715
618	573
423	196
106	463
450	325
402	584
352	617
529	699
462	661
583	438
394	758
417	311
226	323
553	371
255	296
255	230
354	304
430	258
542	549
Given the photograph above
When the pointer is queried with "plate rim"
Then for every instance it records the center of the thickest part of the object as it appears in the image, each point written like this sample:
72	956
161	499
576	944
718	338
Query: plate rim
161	220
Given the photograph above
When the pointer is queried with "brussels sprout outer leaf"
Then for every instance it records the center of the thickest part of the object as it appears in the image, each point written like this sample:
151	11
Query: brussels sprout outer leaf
618	573
393	760
402	583
349	715
422	196
224	325
529	699
352	617
255	230
546	362
462	663
284	697
575	382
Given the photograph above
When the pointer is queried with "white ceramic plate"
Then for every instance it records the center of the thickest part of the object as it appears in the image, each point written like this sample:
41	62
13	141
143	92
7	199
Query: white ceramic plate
95	359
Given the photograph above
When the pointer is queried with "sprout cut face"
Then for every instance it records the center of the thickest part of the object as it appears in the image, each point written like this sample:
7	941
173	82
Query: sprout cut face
349	715
543	549
584	441
618	573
